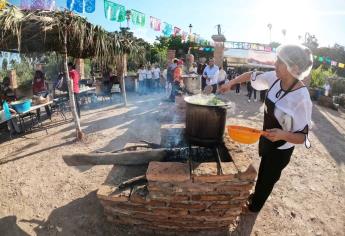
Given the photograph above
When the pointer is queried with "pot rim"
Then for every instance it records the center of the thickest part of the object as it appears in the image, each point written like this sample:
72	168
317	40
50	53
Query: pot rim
226	105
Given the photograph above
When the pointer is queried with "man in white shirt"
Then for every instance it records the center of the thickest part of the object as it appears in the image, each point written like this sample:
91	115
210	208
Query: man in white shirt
221	76
211	74
141	77
149	75
156	77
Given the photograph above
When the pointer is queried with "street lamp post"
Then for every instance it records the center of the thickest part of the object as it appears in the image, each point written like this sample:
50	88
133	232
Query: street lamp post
190	28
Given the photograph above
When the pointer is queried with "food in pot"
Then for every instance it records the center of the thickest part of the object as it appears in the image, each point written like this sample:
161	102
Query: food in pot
206	100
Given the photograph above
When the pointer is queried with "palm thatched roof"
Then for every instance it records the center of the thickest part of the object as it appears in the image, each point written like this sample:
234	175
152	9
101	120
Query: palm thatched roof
43	31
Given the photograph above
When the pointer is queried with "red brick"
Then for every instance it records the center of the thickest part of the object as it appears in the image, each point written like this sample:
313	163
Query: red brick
168	172
170	211
223	206
112	193
229	188
187	205
171	198
218	197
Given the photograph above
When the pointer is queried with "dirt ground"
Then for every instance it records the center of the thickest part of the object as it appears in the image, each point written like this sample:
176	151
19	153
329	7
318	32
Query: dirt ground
41	195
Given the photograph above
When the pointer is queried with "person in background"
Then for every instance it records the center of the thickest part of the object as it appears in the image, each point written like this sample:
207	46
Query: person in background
170	77
163	79
75	77
211	74
327	88
200	70
149	78
222	76
251	91
156	77
287	116
238	86
6	92
12	123
178	81
40	89
142	77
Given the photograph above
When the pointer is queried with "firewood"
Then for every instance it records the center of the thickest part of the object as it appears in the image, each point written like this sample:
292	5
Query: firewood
134	181
131	158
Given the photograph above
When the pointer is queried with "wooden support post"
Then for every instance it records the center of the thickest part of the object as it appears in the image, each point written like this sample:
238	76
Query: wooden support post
79	133
123	85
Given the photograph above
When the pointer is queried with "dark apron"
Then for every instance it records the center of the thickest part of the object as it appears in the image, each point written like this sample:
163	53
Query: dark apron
270	122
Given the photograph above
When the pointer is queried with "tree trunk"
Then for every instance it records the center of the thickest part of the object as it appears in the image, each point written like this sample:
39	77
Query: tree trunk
79	133
132	158
122	68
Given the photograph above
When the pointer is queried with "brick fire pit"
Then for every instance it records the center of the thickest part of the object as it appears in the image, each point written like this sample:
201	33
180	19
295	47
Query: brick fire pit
184	196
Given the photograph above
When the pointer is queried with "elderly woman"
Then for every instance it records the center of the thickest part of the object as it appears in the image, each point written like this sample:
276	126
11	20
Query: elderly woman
287	115
40	88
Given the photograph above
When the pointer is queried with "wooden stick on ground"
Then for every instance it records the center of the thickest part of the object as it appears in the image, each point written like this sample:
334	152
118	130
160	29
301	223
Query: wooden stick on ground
132	158
134	181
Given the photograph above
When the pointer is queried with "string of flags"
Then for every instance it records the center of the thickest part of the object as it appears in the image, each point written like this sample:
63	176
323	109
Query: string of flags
116	12
205	49
329	61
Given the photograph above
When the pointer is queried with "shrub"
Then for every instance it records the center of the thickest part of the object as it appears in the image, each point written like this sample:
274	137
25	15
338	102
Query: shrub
319	76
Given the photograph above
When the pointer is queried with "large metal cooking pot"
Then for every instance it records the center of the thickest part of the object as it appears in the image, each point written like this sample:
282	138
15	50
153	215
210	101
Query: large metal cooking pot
205	124
192	83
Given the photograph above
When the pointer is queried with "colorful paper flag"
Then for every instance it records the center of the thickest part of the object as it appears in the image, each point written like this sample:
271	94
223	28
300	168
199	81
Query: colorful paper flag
155	23
320	59
114	12
167	29
184	35
138	18
341	65
37	4
176	31
81	6
2	4
334	63
90	6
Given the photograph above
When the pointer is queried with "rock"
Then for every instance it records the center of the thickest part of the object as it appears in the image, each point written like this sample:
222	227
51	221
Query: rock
293	214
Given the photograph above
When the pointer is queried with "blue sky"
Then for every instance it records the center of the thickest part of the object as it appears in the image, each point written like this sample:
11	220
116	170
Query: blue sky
241	20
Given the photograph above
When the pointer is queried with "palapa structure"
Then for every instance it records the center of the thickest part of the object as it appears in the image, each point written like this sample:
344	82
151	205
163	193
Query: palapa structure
64	32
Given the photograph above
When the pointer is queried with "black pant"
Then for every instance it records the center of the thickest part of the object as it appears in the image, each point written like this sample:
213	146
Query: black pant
262	95
238	88
77	106
271	165
203	83
250	92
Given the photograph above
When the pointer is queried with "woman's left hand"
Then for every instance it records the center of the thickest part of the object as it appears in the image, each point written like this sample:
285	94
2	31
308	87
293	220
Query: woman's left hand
275	134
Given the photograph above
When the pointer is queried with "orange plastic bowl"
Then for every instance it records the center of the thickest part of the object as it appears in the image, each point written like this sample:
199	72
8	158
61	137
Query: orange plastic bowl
243	134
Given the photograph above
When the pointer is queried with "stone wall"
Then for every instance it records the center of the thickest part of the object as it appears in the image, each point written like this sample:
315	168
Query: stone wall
184	197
